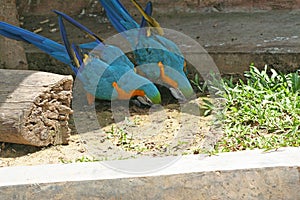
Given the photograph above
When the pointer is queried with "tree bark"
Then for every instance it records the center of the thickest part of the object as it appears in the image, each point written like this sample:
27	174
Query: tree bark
12	54
34	107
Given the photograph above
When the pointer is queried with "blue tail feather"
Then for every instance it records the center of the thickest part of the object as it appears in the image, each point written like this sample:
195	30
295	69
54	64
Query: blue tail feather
77	53
80	26
63	35
121	19
148	10
50	47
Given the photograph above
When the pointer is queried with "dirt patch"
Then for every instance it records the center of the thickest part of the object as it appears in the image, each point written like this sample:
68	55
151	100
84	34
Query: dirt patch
171	129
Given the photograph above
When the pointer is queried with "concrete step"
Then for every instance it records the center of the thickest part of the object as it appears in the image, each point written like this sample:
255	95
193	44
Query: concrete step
240	175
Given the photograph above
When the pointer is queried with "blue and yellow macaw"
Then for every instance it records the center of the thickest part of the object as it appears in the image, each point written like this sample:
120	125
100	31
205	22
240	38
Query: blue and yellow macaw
103	76
157	57
116	69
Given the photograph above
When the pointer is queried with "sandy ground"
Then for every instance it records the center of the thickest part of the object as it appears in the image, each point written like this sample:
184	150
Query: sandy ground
172	129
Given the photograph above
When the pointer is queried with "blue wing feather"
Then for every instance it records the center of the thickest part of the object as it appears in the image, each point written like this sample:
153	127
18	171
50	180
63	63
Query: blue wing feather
89	45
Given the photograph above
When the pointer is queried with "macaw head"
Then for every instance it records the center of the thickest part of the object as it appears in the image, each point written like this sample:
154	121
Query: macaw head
151	94
165	67
131	85
176	81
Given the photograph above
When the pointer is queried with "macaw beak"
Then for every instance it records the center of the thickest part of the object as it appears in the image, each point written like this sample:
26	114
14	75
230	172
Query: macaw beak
177	94
142	101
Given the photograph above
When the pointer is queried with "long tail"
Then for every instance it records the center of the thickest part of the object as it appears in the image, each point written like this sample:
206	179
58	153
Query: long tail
50	47
148	11
118	15
123	21
108	54
73	50
80	26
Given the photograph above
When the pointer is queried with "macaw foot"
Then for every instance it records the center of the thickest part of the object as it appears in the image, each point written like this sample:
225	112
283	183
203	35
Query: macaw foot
148	31
122	94
185	68
173	85
90	98
140	96
165	78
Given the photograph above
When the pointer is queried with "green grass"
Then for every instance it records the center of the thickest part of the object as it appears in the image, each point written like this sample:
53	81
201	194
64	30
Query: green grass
123	138
81	159
261	112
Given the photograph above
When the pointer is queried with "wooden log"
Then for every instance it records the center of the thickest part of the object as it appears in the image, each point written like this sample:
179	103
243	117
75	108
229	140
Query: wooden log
34	107
10	48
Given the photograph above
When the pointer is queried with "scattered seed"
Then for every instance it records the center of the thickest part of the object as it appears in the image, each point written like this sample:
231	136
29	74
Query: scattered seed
3	146
45	21
51	25
82	12
38	30
53	30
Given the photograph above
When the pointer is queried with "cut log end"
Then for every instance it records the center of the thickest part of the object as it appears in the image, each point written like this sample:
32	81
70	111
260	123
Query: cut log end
37	111
47	123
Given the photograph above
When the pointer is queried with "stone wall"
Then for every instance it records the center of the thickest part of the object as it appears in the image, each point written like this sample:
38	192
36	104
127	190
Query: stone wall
44	7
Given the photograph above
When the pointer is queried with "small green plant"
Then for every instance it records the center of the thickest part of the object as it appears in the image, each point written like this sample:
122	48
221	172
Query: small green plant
120	136
202	87
62	160
261	112
82	159
208	107
86	159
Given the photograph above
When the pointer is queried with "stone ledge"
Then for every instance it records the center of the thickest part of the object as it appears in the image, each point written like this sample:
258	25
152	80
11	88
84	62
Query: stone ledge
233	40
241	175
